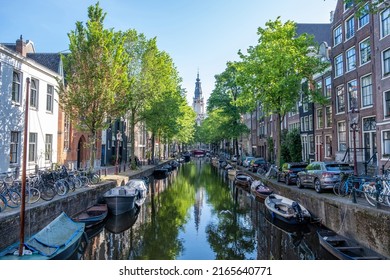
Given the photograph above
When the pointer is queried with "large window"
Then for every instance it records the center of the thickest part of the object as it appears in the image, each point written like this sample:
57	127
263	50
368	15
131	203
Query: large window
364	17
352	94
386	143
14	147
328	87
328	146
338	64
16	87
34	94
385	22
337	35
320	122
49	98
387	104
48	146
386	62
349	28
342	135
366	91
32	147
351	59
365	51
340	99
67	132
328	116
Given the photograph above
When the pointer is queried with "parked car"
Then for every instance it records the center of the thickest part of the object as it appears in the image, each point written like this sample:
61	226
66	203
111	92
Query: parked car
257	163
289	170
247	161
322	175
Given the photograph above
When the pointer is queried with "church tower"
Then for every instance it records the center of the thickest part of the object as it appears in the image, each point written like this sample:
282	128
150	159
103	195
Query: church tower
198	104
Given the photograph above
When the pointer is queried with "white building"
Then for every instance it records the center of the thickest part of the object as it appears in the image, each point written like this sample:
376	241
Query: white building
198	103
19	63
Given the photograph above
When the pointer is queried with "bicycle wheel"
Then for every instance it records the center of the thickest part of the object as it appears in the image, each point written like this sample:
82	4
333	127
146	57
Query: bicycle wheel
370	193
14	199
336	188
32	195
3	203
61	187
84	180
95	179
48	192
77	182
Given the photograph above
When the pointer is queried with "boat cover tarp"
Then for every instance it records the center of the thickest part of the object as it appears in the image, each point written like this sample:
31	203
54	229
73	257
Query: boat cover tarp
55	235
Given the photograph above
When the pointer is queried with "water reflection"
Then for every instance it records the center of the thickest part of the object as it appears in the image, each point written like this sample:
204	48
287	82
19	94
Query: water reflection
198	213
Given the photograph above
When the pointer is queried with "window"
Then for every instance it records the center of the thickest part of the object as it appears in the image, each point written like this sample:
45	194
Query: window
342	135
385	22
49	98
366	91
310	122
328	116
311	144
347	5
364	17
365	51
32	147
16	86
34	94
306	123
387	104
340	99
352	94
328	87
302	125
328	146
351	59
48	146
320	123
337	35
349	28
67	132
386	62
14	147
338	63
386	143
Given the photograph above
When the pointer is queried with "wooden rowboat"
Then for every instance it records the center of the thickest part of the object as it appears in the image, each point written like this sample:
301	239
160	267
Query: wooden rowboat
92	215
344	248
259	190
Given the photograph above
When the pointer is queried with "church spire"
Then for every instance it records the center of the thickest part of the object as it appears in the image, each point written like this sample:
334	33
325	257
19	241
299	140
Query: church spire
198	104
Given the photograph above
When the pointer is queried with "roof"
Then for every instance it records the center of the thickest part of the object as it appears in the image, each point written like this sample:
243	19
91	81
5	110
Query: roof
320	31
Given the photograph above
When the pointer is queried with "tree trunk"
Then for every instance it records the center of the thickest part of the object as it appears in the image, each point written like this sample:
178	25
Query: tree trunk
133	164
92	144
278	140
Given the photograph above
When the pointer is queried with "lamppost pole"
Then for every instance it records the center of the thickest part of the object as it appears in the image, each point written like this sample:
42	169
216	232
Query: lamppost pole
354	120
118	139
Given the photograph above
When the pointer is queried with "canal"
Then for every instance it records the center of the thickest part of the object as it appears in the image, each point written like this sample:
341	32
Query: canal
197	213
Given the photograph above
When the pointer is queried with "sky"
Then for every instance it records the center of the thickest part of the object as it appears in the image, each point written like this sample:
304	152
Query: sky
199	35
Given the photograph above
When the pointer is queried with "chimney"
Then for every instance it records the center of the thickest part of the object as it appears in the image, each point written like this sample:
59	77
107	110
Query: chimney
21	46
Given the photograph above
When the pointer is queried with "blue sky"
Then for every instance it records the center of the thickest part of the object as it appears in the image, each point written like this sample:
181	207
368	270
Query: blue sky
197	34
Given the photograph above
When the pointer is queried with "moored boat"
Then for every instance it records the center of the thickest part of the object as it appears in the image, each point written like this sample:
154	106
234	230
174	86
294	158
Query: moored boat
160	173
243	180
56	241
92	215
287	210
121	199
344	248
259	190
140	186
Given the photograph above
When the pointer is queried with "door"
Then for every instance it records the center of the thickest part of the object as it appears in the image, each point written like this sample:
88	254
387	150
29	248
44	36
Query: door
369	138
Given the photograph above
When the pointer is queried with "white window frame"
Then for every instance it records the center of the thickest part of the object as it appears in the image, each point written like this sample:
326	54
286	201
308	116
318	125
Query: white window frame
365	51
16	87
386	63
50	98
385	22
34	90
338	65
348	32
364	19
352	95
366	91
337	35
350	55
342	136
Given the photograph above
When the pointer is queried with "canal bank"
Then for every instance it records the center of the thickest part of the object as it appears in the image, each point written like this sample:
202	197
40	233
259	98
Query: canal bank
368	225
41	213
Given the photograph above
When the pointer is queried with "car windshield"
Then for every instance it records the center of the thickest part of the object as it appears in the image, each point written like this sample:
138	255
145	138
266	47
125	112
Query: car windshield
298	167
338	167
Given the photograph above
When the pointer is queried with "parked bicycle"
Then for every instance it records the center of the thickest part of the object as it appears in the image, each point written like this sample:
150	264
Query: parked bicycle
12	196
378	191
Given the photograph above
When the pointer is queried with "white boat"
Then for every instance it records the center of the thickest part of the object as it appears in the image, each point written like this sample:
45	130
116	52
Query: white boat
121	199
287	210
140	186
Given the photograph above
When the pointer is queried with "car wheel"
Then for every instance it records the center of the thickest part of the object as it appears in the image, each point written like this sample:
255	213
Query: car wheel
287	180
317	186
299	183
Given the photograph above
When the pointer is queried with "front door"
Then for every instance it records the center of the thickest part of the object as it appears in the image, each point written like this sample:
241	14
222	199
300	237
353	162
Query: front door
369	138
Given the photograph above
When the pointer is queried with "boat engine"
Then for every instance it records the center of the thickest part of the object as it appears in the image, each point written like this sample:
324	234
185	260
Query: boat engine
298	211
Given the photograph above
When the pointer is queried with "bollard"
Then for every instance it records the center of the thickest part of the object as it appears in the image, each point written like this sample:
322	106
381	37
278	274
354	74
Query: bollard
354	195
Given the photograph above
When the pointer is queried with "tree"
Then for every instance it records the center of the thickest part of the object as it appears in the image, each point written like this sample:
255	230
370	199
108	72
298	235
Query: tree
95	75
224	97
275	68
364	6
140	71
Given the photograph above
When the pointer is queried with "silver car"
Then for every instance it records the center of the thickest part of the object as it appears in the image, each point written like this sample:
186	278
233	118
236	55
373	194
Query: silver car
322	175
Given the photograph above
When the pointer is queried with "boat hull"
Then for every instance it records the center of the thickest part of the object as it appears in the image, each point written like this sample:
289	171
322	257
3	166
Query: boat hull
120	199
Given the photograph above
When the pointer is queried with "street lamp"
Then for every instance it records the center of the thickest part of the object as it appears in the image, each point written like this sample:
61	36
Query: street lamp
118	140
354	122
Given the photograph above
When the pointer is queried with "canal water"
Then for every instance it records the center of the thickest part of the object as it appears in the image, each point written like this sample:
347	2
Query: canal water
197	213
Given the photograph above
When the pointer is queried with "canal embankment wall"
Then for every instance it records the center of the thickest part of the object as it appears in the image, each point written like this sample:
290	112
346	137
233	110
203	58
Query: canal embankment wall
368	225
41	213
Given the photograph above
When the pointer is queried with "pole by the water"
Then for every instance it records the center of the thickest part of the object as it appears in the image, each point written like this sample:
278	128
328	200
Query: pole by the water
24	164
